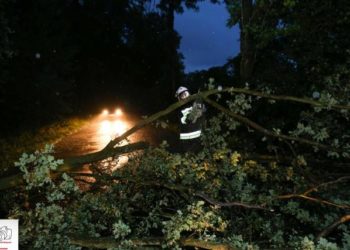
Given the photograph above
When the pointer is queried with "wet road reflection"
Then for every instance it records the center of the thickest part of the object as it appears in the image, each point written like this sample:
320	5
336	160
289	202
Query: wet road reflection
110	129
100	130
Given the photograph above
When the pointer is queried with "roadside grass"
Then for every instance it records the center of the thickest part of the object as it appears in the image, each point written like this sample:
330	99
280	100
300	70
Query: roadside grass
12	148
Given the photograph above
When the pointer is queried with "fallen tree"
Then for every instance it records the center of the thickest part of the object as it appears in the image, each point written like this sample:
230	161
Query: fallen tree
225	197
110	150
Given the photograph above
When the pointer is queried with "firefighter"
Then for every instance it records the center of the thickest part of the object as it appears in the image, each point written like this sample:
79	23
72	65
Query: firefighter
191	118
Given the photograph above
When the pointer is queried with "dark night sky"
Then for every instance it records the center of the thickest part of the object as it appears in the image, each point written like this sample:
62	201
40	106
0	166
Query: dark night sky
206	40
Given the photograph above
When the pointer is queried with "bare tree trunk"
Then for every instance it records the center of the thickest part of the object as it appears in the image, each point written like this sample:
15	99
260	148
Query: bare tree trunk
247	43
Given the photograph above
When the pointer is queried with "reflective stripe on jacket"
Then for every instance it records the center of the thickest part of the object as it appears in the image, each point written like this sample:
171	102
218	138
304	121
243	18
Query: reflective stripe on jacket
191	135
190	129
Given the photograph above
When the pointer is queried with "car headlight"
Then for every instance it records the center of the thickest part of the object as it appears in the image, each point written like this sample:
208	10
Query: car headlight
118	112
105	112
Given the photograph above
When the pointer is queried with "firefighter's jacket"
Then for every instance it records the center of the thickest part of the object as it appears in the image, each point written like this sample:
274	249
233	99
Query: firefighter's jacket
191	120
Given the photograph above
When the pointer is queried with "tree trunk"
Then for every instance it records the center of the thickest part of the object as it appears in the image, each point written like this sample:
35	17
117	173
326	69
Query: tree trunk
247	43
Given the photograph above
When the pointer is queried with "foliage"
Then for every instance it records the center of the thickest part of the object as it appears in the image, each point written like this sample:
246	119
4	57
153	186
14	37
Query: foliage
42	162
272	174
221	195
194	220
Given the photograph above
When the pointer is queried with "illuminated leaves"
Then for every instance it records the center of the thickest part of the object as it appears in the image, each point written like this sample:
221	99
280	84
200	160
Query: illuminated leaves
36	167
195	219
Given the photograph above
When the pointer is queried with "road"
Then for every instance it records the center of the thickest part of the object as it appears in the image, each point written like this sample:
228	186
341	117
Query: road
100	130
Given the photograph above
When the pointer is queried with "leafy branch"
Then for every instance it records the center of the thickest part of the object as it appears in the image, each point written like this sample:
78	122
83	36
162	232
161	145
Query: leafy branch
267	132
333	226
305	195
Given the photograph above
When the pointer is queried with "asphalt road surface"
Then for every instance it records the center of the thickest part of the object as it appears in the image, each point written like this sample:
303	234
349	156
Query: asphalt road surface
100	130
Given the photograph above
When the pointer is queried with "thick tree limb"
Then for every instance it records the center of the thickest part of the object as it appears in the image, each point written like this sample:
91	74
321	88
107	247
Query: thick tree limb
267	132
101	155
103	243
341	179
333	226
305	196
158	115
205	94
286	98
71	164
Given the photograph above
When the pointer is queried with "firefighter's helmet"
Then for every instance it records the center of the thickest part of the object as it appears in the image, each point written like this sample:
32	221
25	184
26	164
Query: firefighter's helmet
182	93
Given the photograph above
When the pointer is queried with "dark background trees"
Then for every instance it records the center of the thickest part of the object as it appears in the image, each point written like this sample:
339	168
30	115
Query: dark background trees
72	57
294	45
64	57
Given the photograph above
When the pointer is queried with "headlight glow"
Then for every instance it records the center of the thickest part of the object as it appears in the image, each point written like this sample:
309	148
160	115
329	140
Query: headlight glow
111	129
118	112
